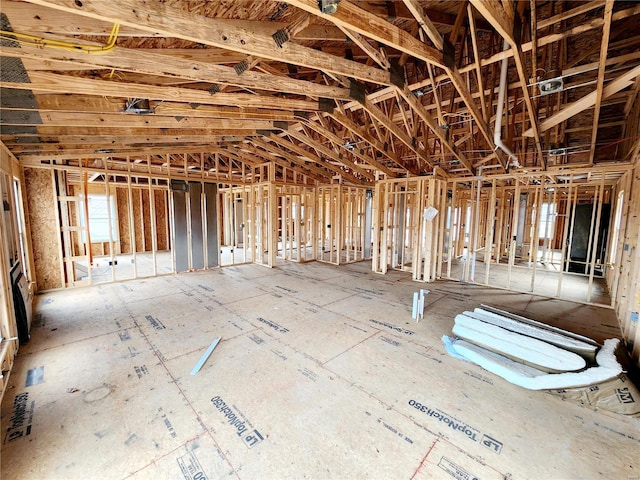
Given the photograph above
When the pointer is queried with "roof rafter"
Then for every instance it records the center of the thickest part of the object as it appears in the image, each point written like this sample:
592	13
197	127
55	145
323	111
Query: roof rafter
327	152
124	59
503	21
316	126
159	17
351	16
606	29
298	150
361	132
431	122
384	120
623	81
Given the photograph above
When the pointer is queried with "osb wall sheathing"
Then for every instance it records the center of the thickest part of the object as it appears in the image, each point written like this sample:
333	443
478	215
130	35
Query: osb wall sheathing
627	298
162	218
627	286
77	247
99	249
146	218
122	199
46	255
138	226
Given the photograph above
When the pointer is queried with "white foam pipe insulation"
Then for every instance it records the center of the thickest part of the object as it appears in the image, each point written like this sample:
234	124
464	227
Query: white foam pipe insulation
497	133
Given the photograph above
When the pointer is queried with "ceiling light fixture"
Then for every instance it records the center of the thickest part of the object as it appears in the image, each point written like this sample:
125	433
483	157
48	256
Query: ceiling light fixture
556	152
139	106
350	145
553	85
328	7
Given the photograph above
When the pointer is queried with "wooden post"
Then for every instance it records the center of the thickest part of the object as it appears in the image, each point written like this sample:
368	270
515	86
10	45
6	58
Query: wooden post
377	211
58	208
514	233
132	233
490	228
272	234
535	227
596	236
453	227
110	221
568	219
152	220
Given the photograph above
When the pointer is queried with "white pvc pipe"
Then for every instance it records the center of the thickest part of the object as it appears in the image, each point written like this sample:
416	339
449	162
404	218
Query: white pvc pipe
497	133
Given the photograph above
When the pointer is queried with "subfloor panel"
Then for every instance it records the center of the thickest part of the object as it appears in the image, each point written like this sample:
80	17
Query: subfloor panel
320	373
574	287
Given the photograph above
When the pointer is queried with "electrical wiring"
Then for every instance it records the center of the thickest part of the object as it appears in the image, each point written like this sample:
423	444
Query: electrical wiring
73	47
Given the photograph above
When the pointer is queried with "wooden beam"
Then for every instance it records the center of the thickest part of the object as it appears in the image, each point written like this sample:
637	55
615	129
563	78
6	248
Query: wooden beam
178	23
503	22
327	152
604	45
95	104
355	18
124	120
87	153
41	20
397	132
351	16
271	152
457	26
437	129
361	132
62	84
97	147
556	37
561	17
298	150
131	60
45	132
425	23
325	132
623	81
375	54
619	60
286	161
476	61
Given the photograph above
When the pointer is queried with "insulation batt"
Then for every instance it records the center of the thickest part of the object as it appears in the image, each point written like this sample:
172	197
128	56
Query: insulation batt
532	378
557	338
531	351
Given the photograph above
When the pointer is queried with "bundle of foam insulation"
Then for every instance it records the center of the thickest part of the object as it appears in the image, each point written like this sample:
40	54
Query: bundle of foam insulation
531	354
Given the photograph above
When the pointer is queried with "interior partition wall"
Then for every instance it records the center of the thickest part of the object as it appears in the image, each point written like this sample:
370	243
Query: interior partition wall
408	226
195	225
296	223
343	232
539	236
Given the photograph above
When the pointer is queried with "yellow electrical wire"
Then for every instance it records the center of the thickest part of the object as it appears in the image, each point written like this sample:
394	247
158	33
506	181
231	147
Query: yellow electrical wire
74	47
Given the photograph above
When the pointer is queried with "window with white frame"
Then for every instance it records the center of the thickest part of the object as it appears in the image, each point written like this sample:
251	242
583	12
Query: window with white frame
101	210
547	222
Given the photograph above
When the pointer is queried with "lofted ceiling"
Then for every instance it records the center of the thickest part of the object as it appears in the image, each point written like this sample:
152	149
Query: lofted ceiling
378	89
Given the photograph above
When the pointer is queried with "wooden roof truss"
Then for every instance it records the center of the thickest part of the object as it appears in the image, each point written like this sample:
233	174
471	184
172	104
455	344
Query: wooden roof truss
376	90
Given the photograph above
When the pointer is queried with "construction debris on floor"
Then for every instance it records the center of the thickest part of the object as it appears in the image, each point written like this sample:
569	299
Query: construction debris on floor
320	373
536	356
